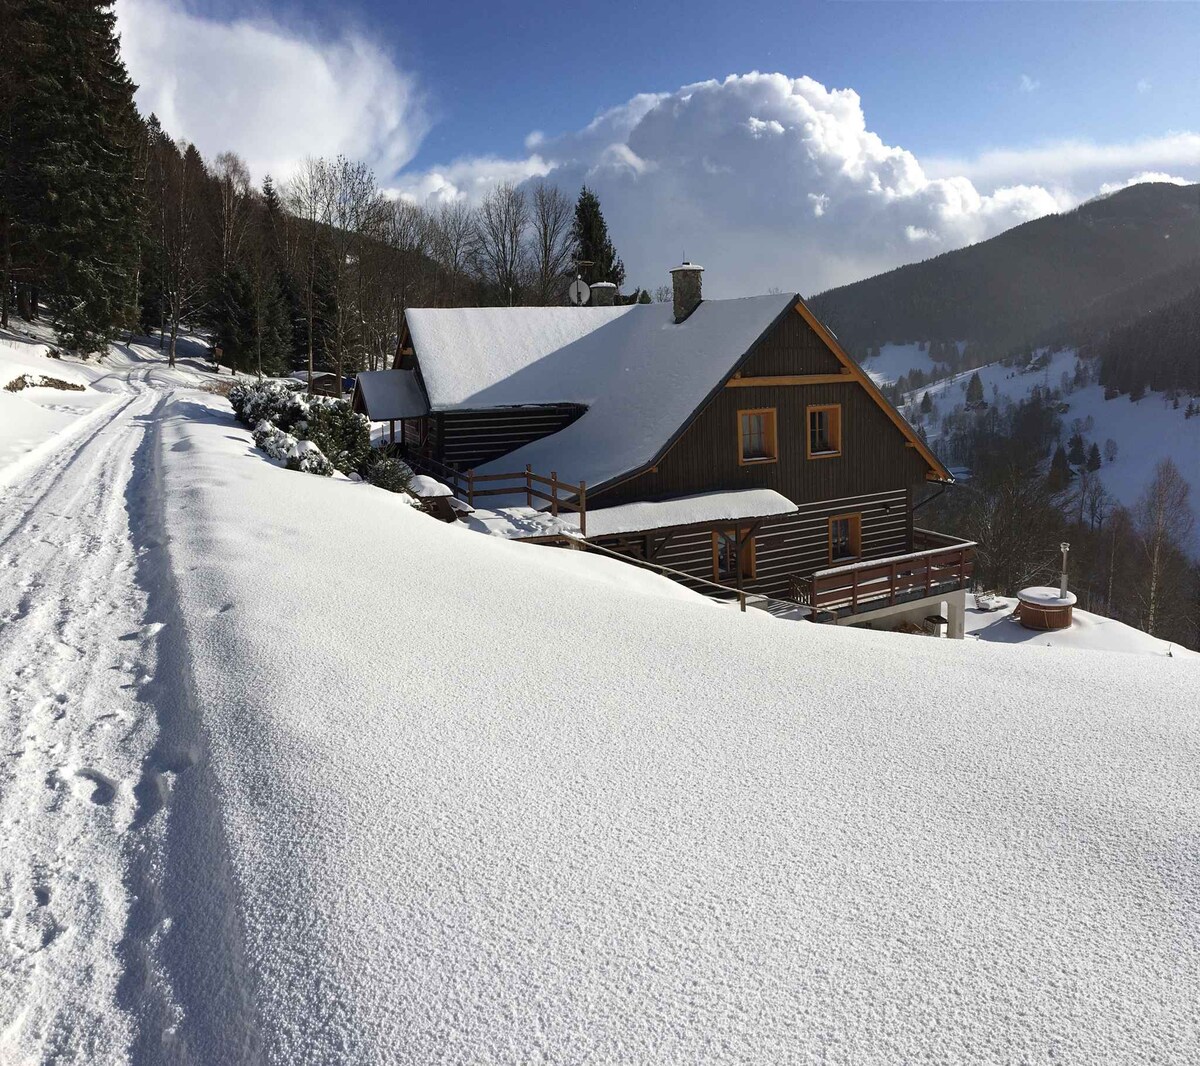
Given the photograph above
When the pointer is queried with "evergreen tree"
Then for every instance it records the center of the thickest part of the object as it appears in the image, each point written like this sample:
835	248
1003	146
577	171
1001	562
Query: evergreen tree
1060	472
1093	458
926	404
592	244
1075	452
74	132
975	391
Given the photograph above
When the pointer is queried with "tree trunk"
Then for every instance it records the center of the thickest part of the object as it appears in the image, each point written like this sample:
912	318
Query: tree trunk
7	279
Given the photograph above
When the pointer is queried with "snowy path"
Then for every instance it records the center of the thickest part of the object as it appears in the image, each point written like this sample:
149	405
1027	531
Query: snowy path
85	768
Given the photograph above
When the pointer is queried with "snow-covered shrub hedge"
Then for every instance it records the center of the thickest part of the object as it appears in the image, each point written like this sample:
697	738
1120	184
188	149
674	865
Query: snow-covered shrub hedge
395	475
261	401
342	434
306	456
276	442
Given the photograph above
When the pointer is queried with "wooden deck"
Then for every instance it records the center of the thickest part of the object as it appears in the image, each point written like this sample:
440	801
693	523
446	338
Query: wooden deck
870	584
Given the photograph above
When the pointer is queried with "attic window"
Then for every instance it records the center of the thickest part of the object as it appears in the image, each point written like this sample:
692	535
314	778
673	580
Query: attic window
824	431
756	436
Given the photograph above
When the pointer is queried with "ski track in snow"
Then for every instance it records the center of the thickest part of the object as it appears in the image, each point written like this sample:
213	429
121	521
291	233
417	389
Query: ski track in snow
93	748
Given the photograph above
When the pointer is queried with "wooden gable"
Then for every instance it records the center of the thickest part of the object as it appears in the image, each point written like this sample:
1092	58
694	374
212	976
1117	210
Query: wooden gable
796	366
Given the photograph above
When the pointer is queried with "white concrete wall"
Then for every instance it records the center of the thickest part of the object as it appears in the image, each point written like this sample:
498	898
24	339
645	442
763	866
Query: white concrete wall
952	607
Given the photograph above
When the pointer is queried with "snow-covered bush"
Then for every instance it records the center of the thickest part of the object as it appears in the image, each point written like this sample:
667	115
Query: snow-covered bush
342	434
276	442
395	475
306	456
262	401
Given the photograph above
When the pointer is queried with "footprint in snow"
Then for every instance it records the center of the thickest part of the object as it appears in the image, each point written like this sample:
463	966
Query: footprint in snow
104	787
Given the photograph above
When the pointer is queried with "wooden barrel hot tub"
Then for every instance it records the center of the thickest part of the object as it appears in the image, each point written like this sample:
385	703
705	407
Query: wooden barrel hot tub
1041	607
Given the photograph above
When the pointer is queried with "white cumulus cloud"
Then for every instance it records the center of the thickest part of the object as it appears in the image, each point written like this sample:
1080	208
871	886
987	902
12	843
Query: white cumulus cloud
777	181
274	93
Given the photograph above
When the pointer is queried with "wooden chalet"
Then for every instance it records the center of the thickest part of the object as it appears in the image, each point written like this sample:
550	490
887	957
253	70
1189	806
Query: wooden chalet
729	441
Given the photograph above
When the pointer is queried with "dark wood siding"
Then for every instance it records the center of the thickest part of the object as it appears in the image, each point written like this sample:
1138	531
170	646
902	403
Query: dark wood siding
875	455
471	438
793	545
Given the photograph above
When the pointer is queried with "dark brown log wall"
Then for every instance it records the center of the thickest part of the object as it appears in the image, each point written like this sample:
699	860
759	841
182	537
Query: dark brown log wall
471	438
875	455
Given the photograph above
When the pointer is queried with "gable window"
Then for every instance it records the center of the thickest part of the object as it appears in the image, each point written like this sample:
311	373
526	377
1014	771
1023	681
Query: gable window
756	436
845	537
825	431
725	556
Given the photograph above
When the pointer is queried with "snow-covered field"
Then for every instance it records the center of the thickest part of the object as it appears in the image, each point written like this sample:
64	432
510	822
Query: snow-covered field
295	773
895	360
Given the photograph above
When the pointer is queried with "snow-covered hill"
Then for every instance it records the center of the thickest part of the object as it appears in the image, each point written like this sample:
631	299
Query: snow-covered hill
1145	432
335	782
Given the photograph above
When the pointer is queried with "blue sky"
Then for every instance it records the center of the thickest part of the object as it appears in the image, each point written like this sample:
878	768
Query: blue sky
938	78
876	133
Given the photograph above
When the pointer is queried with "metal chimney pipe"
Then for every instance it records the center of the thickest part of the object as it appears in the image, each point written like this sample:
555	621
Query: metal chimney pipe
1062	585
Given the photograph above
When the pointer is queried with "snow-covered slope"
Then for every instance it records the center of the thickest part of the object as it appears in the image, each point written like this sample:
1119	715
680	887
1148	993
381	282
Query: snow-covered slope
1146	432
895	360
486	801
1093	632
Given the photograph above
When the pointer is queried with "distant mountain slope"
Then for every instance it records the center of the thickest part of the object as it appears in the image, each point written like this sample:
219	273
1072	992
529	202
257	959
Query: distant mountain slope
1073	274
1159	350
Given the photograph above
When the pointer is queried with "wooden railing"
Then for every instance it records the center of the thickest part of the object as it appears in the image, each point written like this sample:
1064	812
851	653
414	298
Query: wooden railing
875	583
561	495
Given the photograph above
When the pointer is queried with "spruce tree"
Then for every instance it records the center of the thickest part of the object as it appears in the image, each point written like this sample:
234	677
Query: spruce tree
589	234
975	391
1093	458
79	132
1060	471
1075	451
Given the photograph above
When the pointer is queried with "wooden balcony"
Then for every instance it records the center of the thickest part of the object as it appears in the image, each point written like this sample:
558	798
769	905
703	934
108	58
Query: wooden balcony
869	584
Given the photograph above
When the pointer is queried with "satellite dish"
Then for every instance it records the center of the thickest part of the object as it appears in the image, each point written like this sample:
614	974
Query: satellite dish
579	292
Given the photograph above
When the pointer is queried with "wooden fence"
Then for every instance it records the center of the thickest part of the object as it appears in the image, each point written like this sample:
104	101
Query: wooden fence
885	582
561	495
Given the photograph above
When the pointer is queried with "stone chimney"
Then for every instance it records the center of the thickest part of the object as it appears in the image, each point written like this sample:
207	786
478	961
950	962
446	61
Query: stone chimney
603	293
685	285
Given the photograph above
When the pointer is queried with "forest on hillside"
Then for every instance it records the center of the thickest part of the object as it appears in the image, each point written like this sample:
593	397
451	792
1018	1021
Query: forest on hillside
109	225
1036	482
1064	279
1158	351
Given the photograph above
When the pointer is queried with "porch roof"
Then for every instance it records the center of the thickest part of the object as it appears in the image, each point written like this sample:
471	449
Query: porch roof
739	505
383	395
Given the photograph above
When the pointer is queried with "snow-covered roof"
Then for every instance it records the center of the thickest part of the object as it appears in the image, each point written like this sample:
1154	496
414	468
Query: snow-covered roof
389	394
507	356
639	374
739	505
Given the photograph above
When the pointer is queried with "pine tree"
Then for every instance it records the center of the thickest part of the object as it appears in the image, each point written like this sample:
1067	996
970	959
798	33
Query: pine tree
78	208
1093	458
975	391
1060	472
1075	453
926	404
592	244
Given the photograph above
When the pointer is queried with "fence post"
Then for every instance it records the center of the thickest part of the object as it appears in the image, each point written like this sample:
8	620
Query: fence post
892	598
583	508
928	574
742	601
471	487
528	486
962	567
853	590
554	493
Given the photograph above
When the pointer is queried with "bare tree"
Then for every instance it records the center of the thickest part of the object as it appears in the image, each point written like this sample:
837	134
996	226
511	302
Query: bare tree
662	295
233	206
500	248
454	230
1164	523
183	276
307	198
356	215
553	215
